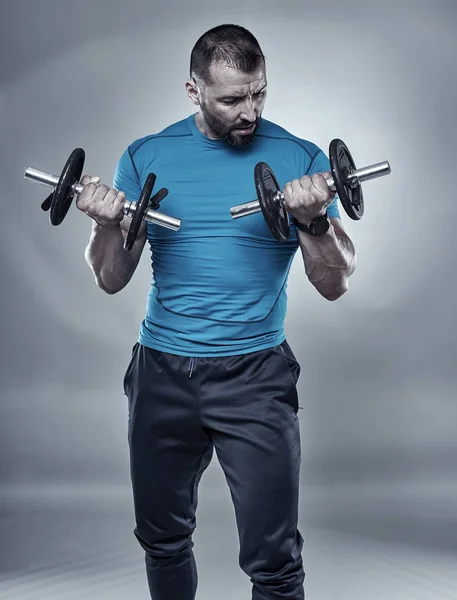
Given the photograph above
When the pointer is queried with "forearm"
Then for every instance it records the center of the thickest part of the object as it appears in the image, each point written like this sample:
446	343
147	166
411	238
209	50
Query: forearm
111	265
329	261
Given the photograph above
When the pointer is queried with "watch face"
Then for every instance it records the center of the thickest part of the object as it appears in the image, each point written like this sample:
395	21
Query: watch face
321	227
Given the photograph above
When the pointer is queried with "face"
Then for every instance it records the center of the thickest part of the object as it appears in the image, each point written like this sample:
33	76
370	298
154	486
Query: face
231	105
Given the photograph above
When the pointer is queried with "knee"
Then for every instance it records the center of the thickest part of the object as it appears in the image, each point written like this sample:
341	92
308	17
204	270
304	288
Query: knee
166	547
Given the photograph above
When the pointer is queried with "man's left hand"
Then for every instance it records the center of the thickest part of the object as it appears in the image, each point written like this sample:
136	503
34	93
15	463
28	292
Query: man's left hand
308	197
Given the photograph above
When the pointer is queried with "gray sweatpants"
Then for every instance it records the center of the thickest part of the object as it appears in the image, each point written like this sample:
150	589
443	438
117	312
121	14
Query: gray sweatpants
245	407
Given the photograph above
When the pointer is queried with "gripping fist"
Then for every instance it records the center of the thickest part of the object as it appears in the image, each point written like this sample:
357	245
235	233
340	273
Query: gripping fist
308	197
103	204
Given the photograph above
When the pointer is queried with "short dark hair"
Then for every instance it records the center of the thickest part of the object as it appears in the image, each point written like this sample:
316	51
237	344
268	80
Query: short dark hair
228	44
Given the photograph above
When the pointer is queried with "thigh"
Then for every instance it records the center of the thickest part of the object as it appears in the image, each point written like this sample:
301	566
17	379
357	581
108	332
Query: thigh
169	448
256	434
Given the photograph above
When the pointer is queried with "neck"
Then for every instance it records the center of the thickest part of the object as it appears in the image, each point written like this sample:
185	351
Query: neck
203	127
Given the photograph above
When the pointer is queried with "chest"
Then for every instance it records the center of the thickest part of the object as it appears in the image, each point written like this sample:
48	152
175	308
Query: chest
202	190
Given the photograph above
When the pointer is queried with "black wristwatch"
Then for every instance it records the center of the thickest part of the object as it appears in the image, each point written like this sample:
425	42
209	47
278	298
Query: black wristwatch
318	226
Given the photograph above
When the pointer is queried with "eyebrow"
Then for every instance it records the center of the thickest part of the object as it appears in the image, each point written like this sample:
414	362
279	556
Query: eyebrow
236	96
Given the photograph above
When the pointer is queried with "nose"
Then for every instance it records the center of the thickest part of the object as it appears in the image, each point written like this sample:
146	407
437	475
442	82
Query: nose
249	112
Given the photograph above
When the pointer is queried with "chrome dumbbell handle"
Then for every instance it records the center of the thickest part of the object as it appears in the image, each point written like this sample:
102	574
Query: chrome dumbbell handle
355	178
152	216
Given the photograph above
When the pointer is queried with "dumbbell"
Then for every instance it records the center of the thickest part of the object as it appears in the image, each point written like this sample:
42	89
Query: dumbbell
346	182
67	188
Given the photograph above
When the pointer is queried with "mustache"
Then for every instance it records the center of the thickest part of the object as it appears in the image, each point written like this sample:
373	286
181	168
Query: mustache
247	125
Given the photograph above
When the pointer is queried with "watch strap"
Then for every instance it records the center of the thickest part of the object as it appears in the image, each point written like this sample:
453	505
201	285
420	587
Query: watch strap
316	228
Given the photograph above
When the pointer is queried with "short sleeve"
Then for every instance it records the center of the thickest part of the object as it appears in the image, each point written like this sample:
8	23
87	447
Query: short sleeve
321	164
126	178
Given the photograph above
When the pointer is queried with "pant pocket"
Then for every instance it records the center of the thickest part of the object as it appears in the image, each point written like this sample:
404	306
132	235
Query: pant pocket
289	372
285	351
126	379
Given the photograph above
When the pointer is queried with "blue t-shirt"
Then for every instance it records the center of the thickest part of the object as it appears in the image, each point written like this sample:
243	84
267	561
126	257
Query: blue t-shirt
218	284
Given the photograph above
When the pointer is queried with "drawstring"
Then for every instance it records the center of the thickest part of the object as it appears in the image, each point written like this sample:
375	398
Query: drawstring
191	365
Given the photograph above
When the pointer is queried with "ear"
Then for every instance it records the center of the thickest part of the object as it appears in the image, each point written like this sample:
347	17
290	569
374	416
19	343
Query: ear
192	91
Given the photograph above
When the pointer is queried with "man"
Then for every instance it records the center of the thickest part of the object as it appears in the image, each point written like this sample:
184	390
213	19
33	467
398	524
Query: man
212	368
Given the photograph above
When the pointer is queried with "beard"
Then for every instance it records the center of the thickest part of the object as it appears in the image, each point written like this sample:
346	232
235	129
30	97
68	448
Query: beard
228	133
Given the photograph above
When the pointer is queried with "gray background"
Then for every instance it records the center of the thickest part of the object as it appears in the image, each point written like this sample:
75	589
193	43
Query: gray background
378	384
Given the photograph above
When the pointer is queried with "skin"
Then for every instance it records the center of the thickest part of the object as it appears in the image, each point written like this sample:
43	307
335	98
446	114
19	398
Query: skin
230	101
112	266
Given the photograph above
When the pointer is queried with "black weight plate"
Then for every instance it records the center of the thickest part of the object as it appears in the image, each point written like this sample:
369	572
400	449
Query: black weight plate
63	194
342	164
157	199
48	202
273	211
141	208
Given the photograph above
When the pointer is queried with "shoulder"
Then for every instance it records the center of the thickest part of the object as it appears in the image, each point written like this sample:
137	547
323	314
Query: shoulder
275	131
175	131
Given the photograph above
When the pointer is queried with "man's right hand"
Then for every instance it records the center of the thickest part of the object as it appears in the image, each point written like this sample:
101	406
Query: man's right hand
103	204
